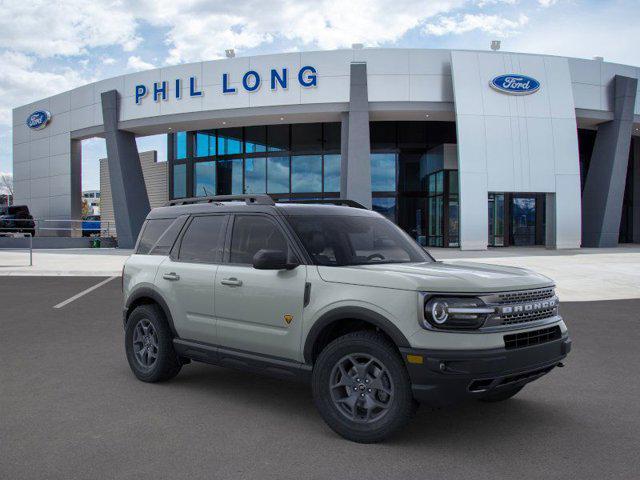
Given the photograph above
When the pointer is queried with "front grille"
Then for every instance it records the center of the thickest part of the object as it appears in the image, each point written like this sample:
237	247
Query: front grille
525	296
534	337
523	317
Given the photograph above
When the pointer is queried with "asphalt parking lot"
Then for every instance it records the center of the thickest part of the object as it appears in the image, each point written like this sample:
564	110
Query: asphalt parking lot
70	408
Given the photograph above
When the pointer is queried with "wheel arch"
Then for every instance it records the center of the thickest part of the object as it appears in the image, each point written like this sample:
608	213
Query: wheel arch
146	296
327	324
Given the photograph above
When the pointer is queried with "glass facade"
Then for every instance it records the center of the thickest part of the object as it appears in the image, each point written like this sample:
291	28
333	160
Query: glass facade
285	161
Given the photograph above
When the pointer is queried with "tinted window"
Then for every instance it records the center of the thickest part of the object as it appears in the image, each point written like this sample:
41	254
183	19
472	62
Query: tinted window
252	233
152	231
255	175
180	180
204	179
168	238
203	240
306	173
278	174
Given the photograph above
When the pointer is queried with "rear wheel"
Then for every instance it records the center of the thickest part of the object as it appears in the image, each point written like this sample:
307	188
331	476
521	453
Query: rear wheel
149	345
501	395
361	387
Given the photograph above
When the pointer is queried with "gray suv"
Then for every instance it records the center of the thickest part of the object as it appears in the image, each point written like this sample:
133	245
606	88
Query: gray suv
337	296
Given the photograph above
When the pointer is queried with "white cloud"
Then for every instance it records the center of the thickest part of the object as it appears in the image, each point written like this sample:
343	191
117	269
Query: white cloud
136	63
46	28
491	24
547	3
109	60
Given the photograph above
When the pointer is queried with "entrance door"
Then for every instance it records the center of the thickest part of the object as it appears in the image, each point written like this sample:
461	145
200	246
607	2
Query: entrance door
523	220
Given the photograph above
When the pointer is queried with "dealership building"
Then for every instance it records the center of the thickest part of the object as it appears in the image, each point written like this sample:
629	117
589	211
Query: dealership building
464	149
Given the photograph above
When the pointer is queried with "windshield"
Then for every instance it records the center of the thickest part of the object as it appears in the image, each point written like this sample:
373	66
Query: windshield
339	240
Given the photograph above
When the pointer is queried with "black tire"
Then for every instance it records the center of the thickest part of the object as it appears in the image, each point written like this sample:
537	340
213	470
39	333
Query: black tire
400	403
166	363
501	395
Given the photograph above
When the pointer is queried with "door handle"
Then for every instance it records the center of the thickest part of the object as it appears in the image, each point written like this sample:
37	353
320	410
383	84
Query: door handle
232	282
173	276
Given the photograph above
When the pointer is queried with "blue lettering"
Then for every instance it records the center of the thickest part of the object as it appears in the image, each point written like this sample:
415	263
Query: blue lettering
256	81
157	91
178	89
192	88
275	77
225	84
141	92
310	80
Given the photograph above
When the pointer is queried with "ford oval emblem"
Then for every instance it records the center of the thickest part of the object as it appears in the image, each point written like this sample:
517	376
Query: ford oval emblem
515	84
38	119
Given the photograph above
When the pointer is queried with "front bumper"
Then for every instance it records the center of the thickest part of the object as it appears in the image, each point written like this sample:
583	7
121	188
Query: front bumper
449	376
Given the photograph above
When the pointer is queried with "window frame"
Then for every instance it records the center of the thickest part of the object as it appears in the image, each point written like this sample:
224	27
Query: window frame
174	255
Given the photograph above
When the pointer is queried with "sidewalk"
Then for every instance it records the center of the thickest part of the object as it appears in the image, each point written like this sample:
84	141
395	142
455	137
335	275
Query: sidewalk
580	275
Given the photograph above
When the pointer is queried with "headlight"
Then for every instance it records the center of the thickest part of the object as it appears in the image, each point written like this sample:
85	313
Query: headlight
455	313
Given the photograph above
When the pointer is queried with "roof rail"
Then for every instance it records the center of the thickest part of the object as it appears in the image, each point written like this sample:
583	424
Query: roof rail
344	202
249	200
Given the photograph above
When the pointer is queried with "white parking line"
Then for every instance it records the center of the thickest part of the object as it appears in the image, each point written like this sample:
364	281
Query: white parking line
84	292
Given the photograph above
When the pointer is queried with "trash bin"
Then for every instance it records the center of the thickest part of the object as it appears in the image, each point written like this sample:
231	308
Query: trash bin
95	243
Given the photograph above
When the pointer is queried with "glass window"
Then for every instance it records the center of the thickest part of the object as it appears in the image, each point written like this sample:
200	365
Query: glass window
332	173
306	173
278	174
180	180
383	135
306	137
385	206
255	175
355	240
180	145
255	139
252	233
412	134
152	231
204	179
332	133
229	177
205	144
229	141
278	137
383	172
203	240
168	238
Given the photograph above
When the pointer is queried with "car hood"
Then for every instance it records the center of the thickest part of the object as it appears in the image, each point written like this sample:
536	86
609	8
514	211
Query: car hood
458	277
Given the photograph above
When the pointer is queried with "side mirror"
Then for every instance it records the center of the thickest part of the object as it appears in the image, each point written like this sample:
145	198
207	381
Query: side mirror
272	260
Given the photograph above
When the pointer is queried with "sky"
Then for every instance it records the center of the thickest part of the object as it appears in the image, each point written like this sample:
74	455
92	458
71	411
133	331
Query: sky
49	47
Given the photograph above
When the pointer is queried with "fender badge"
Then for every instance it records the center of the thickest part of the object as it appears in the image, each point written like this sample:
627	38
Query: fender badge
288	318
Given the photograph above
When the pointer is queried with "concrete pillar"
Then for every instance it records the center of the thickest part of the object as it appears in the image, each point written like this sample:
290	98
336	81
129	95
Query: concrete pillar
604	187
636	189
128	190
550	226
355	177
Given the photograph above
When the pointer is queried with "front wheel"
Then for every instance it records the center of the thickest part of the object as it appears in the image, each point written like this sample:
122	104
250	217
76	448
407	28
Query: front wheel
149	345
361	387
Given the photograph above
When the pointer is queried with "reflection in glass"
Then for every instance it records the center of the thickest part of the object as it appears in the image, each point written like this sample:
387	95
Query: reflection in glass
306	173
180	181
205	144
332	173
383	172
278	175
204	179
255	139
229	141
255	175
181	145
385	206
230	177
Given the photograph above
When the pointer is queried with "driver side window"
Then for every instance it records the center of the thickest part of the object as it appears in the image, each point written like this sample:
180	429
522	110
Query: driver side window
252	233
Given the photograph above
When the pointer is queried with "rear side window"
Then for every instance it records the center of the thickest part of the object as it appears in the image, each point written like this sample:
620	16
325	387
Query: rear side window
203	240
252	233
168	238
153	229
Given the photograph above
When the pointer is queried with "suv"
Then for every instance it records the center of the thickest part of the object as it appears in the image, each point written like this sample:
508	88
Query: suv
336	296
17	219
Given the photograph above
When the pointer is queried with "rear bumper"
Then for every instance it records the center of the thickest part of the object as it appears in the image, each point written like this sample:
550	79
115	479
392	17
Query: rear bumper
449	376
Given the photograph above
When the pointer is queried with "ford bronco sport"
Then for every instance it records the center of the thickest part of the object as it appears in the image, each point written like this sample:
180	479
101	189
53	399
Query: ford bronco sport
337	296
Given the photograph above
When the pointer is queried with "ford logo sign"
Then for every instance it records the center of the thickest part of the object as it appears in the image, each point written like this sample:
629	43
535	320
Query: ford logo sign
515	84
38	119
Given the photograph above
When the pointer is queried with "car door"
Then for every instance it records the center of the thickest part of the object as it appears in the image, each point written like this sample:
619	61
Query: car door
186	278
259	311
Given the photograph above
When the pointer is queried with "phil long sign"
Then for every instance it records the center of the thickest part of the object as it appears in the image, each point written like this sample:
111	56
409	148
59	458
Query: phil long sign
515	84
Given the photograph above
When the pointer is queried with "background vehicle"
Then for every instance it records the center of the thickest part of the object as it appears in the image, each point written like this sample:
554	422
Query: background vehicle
91	225
17	219
339	297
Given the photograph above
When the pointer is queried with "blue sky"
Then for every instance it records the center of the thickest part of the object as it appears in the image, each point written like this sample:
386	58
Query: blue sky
50	47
